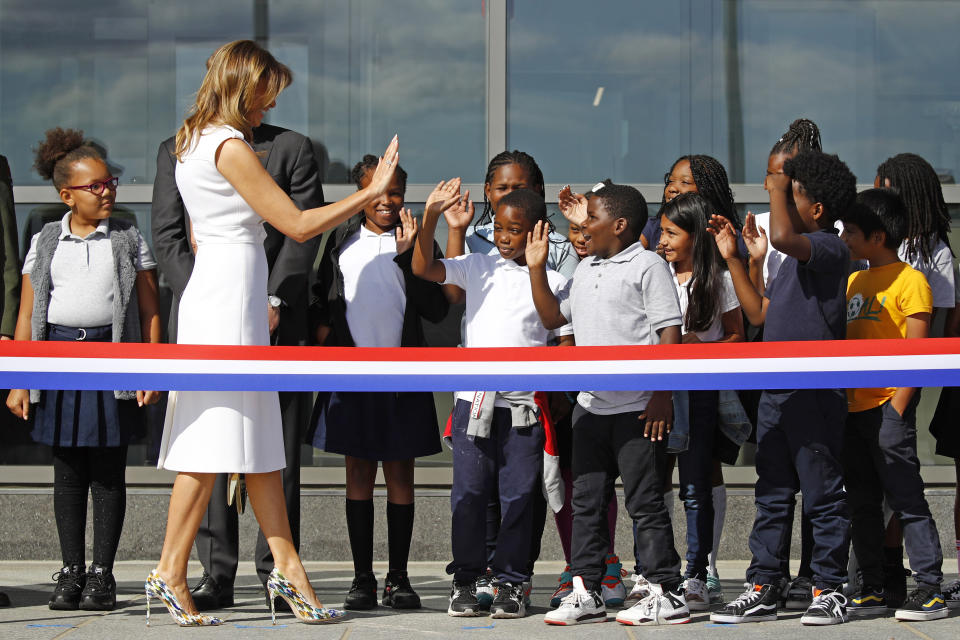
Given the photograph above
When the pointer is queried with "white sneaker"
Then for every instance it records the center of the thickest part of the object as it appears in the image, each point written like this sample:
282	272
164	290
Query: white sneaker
657	608
696	594
828	607
578	606
639	591
951	594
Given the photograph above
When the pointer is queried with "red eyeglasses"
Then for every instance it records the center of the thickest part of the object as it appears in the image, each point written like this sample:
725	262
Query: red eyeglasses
96	188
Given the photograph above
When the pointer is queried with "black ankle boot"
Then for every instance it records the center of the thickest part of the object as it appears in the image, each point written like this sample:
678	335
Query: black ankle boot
100	592
363	592
398	593
70	580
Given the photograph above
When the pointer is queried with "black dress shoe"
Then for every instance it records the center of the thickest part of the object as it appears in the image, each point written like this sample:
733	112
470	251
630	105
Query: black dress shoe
363	592
279	604
100	592
209	595
398	593
4	599
70	582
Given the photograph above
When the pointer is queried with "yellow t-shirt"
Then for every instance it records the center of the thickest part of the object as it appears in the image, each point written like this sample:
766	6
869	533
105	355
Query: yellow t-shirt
878	303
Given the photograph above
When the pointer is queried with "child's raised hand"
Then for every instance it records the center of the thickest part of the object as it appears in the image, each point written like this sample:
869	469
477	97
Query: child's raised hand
572	205
754	237
725	235
779	182
460	215
444	195
383	174
538	246
147	397
406	231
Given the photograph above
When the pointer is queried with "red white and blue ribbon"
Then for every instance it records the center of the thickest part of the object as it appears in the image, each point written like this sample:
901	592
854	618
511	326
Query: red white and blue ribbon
773	365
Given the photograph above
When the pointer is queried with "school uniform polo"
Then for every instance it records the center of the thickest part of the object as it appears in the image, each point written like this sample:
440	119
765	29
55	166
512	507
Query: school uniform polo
373	287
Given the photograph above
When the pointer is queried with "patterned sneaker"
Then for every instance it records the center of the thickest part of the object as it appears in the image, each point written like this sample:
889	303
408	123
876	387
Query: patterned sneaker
579	606
923	603
757	604
508	602
564	587
484	591
463	600
867	601
660	607
527	590
640	590
828	607
798	594
714	588
951	594
611	587
696	594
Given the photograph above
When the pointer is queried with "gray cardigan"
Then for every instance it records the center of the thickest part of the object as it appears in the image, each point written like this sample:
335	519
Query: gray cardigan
125	242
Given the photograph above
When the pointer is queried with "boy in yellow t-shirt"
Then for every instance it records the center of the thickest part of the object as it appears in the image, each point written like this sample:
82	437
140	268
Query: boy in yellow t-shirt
891	299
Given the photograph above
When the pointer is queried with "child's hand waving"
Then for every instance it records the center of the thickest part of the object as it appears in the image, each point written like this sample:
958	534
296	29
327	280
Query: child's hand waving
779	182
754	237
538	246
725	235
460	215
406	231
573	206
443	196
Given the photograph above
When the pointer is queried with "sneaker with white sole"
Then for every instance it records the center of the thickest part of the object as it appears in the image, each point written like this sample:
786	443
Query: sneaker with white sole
757	604
923	603
485	591
564	587
463	600
828	607
639	591
696	594
951	594
867	601
714	588
660	607
508	602
612	589
578	607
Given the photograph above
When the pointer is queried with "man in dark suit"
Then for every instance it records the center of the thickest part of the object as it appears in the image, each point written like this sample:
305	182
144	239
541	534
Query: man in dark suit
9	271
288	157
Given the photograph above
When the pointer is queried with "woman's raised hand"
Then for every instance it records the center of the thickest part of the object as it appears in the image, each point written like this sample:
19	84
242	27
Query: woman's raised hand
573	206
460	214
444	195
383	174
406	231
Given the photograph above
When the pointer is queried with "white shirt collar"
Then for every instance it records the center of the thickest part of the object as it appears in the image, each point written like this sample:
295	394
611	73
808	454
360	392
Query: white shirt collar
103	228
367	233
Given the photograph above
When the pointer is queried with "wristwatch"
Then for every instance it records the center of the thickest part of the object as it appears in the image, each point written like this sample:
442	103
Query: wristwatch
275	301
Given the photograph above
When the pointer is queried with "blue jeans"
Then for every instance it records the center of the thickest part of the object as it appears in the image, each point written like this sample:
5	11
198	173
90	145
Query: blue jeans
696	490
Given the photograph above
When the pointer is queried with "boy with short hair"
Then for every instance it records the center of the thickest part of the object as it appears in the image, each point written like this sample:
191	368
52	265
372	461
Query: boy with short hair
497	437
890	300
799	431
622	294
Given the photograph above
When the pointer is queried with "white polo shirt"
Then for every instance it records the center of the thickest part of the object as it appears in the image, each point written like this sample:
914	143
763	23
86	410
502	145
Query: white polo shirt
374	288
500	310
728	302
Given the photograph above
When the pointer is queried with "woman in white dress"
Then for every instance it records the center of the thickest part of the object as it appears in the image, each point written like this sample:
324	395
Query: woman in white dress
228	194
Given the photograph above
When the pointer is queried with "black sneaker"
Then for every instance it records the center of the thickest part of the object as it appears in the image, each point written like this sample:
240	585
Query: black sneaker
398	593
508	603
463	600
798	594
923	603
756	604
70	582
894	577
829	606
866	602
485	591
100	591
363	592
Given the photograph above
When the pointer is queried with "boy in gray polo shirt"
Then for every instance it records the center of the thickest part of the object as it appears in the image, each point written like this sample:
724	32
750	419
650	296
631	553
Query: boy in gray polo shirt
621	294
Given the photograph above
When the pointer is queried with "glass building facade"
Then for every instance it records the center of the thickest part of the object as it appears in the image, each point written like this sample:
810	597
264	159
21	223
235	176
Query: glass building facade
592	90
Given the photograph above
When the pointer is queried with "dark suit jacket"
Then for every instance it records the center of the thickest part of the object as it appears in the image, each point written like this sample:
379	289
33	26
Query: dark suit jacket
9	254
288	157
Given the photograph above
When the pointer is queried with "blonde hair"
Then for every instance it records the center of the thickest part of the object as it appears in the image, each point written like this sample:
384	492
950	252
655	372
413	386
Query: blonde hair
229	90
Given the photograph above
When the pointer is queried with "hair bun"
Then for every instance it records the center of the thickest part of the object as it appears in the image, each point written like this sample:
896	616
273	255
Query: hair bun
55	146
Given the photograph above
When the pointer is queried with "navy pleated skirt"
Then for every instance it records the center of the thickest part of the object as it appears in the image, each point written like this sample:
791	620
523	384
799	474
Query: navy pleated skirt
84	418
377	425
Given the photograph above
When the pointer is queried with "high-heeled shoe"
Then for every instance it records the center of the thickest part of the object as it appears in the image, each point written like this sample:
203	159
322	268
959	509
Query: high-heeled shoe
155	587
280	587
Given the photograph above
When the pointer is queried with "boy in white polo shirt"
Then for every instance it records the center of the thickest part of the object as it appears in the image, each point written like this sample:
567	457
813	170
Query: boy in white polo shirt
497	436
621	294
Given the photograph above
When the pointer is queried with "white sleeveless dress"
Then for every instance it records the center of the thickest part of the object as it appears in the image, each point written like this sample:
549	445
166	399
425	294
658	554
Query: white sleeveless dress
225	302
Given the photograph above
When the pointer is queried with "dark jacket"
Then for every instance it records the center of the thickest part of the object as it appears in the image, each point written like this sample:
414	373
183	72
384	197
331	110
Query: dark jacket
329	307
288	157
9	255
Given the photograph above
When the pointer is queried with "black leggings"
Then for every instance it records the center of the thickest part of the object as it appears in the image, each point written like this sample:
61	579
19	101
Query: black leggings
100	471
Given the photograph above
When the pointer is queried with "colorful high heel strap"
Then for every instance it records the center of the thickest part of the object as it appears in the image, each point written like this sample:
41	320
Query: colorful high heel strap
155	587
279	586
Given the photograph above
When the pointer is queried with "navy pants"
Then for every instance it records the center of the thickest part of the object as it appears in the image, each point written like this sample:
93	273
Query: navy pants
696	481
799	445
880	462
509	463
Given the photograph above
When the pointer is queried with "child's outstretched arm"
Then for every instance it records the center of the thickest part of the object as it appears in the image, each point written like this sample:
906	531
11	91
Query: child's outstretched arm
548	307
443	196
785	221
18	400
754	305
146	284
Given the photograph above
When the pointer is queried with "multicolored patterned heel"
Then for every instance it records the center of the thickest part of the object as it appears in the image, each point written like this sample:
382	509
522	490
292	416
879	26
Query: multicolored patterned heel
280	587
155	587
